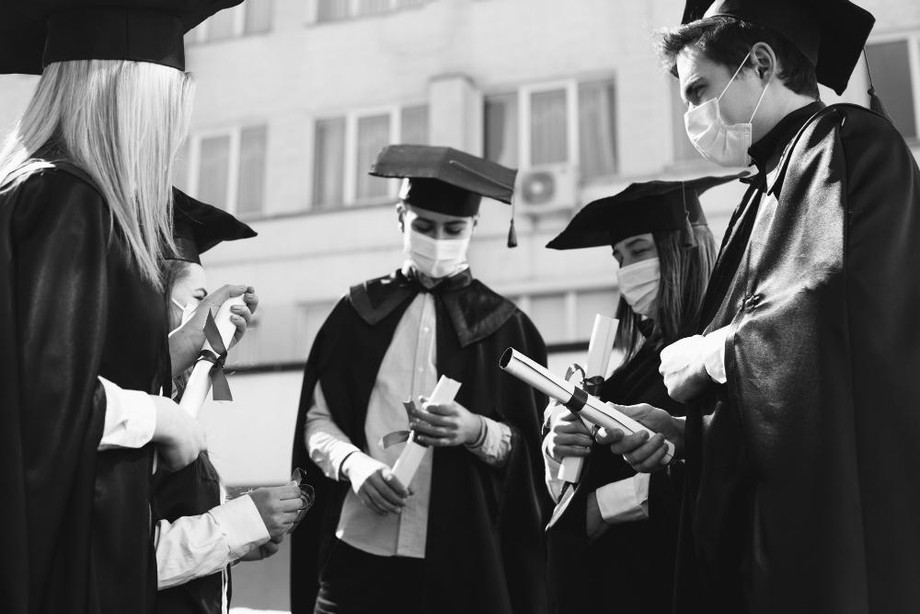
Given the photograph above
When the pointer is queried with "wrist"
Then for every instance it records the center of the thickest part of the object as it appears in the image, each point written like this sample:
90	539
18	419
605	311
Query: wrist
165	429
476	433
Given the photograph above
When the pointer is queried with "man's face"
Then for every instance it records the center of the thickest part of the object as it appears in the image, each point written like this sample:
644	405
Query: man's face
701	80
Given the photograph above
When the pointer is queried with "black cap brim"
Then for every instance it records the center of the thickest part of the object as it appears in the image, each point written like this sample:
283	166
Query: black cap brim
198	227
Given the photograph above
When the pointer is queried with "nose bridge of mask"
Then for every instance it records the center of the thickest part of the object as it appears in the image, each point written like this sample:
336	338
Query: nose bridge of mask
438	249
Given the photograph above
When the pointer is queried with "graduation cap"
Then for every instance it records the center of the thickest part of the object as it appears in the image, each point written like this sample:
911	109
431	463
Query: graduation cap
830	33
35	33
651	206
198	227
446	180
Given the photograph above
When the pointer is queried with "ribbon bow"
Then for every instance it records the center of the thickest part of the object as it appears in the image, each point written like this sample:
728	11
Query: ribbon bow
217	356
391	439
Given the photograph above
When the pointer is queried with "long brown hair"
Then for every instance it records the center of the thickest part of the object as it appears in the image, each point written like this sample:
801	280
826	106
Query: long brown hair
684	277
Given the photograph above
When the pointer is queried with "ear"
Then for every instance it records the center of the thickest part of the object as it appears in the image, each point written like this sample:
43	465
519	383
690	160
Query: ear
763	60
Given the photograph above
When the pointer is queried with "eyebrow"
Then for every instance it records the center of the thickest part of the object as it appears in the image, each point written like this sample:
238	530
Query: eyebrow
632	242
694	83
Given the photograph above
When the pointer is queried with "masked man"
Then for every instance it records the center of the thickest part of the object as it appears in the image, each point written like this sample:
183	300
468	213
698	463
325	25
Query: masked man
466	534
803	413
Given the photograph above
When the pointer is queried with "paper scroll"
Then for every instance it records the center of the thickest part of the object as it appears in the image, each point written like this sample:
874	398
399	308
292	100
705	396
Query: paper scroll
575	399
599	350
199	382
411	456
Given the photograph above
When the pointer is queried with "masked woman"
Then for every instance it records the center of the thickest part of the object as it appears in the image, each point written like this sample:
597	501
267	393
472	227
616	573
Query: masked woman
612	548
85	219
200	534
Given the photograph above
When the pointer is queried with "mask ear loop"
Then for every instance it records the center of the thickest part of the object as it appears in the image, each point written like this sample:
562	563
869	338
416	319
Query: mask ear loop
730	81
762	94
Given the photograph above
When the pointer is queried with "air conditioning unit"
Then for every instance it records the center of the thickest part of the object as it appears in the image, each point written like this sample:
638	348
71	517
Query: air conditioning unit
547	189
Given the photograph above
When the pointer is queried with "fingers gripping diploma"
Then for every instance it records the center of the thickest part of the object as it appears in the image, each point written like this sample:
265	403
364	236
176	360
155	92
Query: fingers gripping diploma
568	436
443	425
279	507
643	452
374	484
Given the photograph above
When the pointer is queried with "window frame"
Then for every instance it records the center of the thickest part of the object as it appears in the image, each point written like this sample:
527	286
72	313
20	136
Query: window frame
350	192
912	38
393	6
199	35
233	159
524	93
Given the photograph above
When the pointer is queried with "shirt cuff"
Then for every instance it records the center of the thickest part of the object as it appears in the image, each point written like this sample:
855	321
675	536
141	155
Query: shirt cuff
551	477
625	500
130	418
362	466
495	442
714	354
240	522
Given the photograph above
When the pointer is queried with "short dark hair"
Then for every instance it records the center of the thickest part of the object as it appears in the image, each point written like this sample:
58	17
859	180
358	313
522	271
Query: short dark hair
727	40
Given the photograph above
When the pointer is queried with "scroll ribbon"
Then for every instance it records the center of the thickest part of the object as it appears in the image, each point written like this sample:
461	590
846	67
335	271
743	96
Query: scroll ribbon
217	357
391	439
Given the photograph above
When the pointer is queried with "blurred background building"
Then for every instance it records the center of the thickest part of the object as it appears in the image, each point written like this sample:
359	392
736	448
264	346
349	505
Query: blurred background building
297	97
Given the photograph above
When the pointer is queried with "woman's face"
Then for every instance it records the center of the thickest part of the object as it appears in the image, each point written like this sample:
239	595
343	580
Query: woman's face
635	249
189	288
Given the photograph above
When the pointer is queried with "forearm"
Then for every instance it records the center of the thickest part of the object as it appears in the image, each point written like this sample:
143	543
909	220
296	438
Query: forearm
197	546
130	418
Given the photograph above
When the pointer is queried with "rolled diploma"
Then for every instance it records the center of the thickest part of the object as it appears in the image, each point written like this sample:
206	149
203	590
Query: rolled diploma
599	349
594	410
411	456
199	382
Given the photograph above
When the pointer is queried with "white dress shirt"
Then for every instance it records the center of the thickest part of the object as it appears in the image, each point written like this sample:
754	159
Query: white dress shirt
408	370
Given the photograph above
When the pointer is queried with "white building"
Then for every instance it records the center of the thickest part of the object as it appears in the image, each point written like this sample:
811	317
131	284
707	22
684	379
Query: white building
296	97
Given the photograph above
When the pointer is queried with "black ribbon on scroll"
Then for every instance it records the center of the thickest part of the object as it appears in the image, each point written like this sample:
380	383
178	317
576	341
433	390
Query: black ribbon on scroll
219	385
391	439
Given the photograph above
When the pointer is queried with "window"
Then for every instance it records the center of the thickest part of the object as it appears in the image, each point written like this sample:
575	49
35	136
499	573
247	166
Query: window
253	17
895	68
501	127
414	129
337	10
568	317
566	123
329	163
548	128
344	148
373	135
226	169
597	129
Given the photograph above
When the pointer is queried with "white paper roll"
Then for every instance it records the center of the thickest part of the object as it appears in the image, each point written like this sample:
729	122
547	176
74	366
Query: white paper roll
412	455
199	382
596	411
600	347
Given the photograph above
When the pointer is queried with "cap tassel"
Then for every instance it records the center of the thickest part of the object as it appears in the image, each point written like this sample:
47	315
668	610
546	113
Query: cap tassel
512	234
875	103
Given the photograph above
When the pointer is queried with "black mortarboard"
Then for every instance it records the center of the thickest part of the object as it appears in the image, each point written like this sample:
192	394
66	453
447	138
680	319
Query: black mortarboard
198	227
443	179
651	206
35	33
830	33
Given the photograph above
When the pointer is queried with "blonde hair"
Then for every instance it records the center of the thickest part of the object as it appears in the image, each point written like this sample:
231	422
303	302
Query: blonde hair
122	123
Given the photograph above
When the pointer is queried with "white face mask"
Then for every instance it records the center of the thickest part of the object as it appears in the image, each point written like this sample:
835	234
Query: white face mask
639	284
713	138
187	312
435	258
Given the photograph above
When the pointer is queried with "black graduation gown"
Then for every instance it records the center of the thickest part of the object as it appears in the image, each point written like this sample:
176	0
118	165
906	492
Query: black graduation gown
629	568
485	548
189	492
76	523
804	477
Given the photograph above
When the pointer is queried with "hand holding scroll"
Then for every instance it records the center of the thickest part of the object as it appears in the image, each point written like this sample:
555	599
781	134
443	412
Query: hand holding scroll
643	452
185	343
445	425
